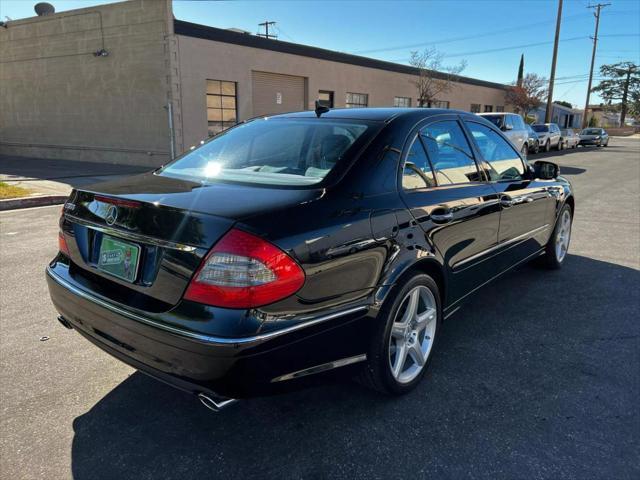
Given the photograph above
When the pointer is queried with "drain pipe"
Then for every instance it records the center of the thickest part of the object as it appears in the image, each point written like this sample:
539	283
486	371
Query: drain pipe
215	404
172	143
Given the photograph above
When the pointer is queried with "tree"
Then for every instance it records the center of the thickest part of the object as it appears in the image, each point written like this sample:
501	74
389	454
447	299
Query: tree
528	96
432	77
563	103
520	71
622	83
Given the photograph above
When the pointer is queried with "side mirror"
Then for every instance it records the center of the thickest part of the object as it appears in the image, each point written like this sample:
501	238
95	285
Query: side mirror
507	127
546	170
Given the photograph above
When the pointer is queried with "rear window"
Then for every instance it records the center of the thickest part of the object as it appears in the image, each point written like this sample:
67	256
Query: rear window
272	151
540	128
497	120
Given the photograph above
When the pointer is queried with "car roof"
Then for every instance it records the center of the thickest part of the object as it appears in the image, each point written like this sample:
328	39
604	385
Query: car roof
374	114
496	113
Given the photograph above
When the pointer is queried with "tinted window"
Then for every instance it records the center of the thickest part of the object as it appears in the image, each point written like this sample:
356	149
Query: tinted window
417	171
540	128
271	151
497	120
591	131
503	161
449	153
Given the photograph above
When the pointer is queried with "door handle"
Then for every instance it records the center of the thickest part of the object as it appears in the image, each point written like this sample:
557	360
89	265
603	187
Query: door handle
442	217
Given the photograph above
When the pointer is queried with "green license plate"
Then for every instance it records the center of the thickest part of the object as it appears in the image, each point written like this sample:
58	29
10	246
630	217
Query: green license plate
119	258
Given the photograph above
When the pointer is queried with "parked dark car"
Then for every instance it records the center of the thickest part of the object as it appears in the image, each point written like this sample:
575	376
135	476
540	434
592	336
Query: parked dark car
594	136
301	243
534	141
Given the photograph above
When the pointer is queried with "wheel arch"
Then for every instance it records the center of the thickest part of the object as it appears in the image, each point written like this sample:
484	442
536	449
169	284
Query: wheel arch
428	266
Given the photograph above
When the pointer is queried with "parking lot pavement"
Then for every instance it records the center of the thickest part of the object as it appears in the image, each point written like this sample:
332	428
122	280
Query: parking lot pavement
538	377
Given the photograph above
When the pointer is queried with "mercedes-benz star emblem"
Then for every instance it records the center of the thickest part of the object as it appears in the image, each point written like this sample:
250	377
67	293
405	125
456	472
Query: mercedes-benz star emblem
112	215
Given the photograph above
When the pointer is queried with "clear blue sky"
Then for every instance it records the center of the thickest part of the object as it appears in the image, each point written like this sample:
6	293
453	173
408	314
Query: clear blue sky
389	30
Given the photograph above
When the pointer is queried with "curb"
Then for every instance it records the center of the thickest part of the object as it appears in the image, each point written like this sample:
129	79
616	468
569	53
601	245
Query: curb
28	202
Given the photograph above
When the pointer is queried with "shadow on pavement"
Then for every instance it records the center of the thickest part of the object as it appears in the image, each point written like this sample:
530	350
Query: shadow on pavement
532	378
71	172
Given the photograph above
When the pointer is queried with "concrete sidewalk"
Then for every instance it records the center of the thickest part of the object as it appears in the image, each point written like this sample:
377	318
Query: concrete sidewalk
50	181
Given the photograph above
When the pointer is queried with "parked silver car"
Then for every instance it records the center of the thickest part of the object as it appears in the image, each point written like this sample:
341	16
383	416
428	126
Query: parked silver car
549	135
513	128
570	138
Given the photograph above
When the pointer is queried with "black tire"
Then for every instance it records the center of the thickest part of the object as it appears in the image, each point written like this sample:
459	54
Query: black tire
560	146
550	258
606	144
537	149
524	151
547	146
377	373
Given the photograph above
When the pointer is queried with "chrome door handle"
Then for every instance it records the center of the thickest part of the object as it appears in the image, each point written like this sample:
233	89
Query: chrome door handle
442	217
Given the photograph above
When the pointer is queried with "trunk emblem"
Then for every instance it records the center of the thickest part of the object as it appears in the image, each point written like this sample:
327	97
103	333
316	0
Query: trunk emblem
112	215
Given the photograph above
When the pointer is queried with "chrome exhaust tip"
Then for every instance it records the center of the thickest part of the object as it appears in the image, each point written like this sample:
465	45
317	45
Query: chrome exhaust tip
215	404
65	323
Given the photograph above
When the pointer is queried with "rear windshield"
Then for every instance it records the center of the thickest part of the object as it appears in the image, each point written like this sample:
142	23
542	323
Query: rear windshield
591	131
497	120
541	128
272	151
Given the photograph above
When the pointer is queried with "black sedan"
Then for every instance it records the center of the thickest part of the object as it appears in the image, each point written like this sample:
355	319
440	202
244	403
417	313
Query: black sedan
298	244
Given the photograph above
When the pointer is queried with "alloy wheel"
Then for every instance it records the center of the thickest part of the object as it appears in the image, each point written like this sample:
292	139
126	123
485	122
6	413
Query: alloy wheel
412	334
563	236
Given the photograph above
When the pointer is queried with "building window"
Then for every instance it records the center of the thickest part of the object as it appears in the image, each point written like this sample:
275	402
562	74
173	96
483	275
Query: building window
401	101
325	98
433	103
499	108
488	108
221	105
356	100
475	108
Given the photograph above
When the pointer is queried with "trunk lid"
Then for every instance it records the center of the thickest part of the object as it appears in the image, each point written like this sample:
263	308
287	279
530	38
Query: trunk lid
170	224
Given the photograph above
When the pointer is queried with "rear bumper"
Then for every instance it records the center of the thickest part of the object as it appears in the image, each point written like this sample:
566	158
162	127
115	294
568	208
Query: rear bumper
219	366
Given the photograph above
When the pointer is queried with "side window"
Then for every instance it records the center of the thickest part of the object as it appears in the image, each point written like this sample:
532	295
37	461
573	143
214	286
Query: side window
417	170
518	124
502	161
508	121
449	153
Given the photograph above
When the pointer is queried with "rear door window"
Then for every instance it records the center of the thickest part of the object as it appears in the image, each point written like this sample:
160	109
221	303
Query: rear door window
502	162
450	153
417	171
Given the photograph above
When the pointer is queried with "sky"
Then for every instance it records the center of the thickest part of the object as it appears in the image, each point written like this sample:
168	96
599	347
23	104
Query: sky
489	35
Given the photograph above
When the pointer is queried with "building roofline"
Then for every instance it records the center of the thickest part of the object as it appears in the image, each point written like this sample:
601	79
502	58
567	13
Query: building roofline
205	32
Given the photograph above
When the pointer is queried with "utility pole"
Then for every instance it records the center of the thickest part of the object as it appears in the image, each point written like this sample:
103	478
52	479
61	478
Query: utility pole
597	8
552	77
266	25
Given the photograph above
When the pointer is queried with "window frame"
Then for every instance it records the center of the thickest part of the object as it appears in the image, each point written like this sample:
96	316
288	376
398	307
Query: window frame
395	98
471	109
417	137
408	143
480	157
348	104
221	108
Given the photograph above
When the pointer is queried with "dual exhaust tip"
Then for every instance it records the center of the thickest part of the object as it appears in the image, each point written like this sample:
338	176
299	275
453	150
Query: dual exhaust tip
215	404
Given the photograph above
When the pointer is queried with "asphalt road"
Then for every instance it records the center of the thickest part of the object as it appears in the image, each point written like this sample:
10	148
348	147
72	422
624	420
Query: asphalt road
538	377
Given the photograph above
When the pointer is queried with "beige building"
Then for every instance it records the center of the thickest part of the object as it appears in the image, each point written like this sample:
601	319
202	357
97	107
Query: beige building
127	83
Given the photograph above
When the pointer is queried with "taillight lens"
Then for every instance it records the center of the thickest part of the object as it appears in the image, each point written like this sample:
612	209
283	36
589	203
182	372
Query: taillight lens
62	244
244	271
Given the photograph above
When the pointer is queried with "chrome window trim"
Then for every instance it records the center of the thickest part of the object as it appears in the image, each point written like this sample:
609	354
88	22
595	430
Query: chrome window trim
136	237
198	336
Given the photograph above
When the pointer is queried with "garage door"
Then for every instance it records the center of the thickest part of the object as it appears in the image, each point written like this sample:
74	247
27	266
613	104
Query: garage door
277	93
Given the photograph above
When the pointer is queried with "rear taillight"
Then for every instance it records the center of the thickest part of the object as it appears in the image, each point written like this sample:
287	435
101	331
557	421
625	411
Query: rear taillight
62	244
244	271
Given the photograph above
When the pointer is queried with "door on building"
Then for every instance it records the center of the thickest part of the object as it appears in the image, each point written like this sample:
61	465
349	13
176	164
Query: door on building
276	93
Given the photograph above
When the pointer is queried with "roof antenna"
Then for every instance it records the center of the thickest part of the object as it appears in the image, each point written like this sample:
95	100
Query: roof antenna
320	109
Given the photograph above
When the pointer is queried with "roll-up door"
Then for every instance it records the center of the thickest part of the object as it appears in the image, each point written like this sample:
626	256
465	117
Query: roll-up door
276	93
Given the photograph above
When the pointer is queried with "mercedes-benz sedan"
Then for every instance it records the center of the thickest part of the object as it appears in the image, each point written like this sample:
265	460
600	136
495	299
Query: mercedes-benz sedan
294	245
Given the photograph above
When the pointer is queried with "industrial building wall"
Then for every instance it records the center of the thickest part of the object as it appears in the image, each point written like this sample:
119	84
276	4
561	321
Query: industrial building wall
59	100
202	59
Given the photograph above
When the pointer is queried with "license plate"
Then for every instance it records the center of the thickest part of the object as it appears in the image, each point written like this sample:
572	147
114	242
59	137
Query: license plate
119	258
